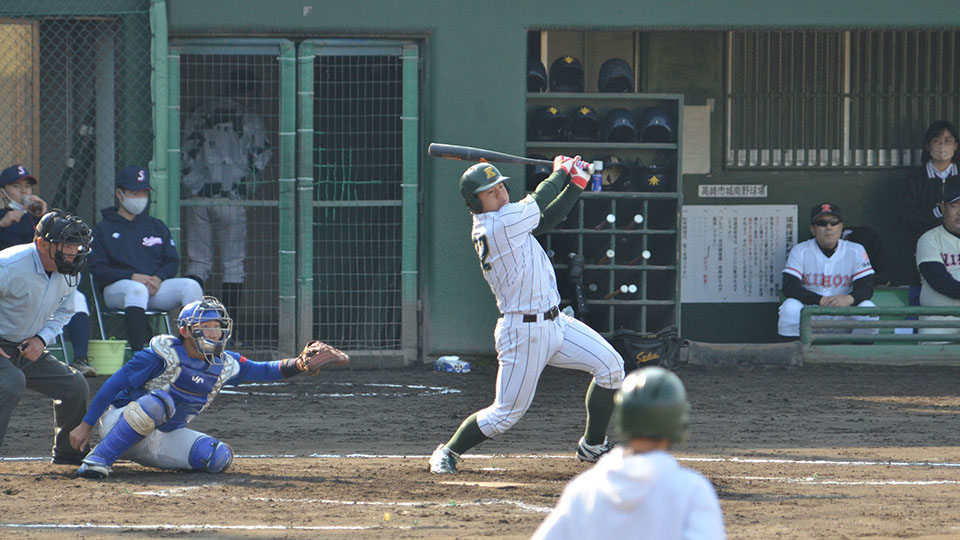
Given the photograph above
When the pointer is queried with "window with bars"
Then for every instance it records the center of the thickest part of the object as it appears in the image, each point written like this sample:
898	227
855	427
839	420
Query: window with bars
821	99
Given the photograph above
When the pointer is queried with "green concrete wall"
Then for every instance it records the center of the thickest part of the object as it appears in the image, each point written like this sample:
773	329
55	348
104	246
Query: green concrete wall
474	93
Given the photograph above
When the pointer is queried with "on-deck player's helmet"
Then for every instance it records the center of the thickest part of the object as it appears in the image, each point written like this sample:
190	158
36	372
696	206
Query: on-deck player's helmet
547	124
620	125
584	125
566	75
615	76
652	402
478	178
58	228
207	308
656	126
536	75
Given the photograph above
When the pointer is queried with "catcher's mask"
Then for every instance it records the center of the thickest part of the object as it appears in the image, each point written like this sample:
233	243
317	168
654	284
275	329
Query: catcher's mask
59	228
207	308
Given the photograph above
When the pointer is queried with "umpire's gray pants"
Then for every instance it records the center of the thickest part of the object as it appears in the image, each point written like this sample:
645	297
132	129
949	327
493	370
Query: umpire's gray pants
52	378
227	221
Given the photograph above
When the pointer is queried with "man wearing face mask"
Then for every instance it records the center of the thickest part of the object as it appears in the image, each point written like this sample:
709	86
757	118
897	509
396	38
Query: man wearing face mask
135	260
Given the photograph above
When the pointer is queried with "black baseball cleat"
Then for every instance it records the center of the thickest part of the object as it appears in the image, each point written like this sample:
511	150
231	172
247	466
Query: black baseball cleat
84	367
590	453
68	460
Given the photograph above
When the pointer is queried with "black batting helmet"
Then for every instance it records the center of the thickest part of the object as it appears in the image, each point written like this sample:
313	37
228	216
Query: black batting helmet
616	174
536	75
615	76
566	75
620	125
584	125
653	177
656	126
547	124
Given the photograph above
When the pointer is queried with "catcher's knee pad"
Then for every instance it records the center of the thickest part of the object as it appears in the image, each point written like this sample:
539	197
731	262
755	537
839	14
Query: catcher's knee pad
150	411
210	455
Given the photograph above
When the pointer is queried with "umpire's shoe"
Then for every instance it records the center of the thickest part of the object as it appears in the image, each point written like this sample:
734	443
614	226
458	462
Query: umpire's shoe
93	467
444	460
84	367
592	452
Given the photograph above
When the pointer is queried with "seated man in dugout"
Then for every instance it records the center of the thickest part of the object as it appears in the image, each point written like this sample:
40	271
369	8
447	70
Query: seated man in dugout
826	270
938	259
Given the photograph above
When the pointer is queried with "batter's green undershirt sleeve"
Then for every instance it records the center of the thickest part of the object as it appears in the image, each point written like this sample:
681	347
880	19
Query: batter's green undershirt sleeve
468	436
558	209
549	189
599	409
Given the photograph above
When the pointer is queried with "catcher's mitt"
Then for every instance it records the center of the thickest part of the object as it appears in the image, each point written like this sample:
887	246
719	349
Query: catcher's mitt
318	354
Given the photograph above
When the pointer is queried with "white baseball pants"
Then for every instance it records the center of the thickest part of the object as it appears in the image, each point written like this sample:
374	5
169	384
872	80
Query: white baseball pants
525	349
158	449
172	294
228	224
789	323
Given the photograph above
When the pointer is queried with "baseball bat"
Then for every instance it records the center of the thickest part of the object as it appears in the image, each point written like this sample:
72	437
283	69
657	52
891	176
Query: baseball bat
469	153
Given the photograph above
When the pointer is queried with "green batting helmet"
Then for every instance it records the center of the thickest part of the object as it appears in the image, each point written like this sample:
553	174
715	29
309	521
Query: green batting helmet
652	403
477	179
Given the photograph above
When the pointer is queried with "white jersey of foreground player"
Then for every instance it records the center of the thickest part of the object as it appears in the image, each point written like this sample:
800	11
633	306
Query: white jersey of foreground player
646	495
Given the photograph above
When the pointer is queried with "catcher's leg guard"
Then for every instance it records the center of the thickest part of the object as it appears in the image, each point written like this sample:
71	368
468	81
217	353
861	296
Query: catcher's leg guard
210	455
138	420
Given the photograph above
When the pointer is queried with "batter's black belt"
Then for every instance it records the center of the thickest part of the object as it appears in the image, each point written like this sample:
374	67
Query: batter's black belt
548	315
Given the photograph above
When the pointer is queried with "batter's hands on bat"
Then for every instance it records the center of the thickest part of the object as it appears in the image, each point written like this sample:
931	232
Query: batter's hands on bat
31	348
837	300
563	162
580	174
80	436
318	354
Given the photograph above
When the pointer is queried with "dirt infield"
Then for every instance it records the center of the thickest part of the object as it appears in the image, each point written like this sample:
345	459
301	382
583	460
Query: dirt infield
811	452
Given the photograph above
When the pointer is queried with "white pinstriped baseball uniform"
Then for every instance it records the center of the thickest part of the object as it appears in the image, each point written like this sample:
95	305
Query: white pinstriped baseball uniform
522	279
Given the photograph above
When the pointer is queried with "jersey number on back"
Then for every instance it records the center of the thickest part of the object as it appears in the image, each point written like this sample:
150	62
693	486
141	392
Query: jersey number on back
483	251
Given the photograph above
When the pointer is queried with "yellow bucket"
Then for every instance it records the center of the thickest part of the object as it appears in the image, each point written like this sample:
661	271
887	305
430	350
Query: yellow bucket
106	356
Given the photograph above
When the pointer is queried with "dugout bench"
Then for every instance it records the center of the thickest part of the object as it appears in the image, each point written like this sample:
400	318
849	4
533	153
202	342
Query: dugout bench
886	347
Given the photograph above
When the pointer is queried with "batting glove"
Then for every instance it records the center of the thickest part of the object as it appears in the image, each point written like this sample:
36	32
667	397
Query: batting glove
580	174
563	162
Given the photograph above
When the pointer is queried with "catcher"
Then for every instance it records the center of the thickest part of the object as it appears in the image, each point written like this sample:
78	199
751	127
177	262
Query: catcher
144	408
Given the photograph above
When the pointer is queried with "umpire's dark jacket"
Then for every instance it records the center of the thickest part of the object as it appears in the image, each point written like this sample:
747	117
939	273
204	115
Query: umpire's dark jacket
122	248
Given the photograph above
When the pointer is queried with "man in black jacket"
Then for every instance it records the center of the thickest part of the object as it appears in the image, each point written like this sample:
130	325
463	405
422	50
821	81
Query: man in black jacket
135	260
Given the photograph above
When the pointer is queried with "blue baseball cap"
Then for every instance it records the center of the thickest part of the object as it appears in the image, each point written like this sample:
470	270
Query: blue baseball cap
133	178
14	174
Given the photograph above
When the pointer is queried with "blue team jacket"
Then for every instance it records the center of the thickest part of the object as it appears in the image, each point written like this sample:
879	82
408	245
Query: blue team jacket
122	248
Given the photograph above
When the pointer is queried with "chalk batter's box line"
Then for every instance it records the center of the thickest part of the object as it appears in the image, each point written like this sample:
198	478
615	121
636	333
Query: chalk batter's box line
705	459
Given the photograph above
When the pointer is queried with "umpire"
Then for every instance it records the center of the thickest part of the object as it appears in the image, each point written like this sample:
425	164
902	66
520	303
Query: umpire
38	282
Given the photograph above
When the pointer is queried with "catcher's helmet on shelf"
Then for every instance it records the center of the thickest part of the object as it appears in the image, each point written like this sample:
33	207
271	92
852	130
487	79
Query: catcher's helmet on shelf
566	75
584	125
547	124
477	179
536	75
652	403
206	309
616	174
620	125
537	173
60	228
656	126
615	76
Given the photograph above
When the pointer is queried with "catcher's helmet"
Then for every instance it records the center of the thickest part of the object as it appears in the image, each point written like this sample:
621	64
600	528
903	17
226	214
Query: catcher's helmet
537	173
620	125
652	402
477	179
547	124
656	126
584	125
615	76
536	75
566	75
58	228
206	309
616	174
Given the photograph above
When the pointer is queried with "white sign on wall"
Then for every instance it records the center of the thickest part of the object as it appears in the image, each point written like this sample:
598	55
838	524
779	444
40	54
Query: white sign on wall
735	253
